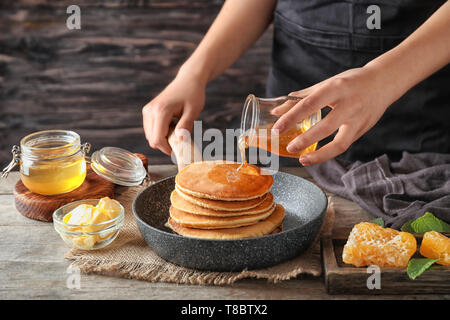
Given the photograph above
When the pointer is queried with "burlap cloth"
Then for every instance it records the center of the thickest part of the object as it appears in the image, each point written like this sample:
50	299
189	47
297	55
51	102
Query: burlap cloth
129	256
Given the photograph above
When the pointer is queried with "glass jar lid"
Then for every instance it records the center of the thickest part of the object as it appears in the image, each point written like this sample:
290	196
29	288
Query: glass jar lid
118	166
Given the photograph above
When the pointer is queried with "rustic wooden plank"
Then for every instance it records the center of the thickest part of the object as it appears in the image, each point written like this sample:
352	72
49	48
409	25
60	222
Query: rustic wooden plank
52	77
38	242
9	216
110	3
341	278
45	280
49	280
347	214
328	259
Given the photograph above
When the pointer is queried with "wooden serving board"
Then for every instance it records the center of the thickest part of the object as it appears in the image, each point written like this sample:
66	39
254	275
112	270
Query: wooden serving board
341	278
40	207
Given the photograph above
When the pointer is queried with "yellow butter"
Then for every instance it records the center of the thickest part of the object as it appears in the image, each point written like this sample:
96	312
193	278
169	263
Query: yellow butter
86	216
84	242
111	206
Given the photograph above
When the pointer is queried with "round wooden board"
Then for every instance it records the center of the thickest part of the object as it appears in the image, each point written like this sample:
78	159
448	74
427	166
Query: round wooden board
40	207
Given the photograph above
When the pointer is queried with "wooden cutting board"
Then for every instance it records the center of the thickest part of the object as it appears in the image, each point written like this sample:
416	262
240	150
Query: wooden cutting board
341	278
40	207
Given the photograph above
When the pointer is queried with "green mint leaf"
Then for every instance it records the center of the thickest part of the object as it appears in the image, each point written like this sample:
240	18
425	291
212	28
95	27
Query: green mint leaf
417	266
428	222
378	221
407	227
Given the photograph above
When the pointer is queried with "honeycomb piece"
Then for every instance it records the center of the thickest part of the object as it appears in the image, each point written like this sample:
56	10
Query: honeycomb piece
436	246
371	244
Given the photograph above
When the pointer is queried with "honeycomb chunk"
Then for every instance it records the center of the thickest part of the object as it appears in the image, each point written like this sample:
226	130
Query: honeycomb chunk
436	246
371	244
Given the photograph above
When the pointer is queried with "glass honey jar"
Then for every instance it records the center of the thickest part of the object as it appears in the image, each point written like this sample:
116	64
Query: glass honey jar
51	162
54	162
258	118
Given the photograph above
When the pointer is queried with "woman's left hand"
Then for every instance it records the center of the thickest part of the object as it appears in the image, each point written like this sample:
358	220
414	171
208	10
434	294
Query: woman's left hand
358	98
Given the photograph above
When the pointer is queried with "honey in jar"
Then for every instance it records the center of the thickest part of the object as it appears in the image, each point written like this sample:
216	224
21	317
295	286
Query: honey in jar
258	119
52	162
263	139
54	178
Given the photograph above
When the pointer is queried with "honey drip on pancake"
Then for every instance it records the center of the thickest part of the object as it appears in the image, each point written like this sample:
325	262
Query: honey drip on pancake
231	173
242	145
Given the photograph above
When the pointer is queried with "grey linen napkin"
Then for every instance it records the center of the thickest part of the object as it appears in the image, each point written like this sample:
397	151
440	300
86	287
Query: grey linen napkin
395	191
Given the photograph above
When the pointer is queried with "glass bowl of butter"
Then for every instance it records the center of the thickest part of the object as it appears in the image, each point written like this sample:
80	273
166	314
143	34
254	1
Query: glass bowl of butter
89	224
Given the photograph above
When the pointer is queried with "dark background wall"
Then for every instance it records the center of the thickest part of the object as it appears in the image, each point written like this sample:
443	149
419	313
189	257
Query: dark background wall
96	80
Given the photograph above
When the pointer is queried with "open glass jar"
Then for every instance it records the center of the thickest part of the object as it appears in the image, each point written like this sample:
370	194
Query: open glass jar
258	118
54	162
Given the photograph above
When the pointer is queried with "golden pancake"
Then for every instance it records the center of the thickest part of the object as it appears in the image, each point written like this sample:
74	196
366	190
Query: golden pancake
190	220
221	205
258	229
181	204
277	230
220	180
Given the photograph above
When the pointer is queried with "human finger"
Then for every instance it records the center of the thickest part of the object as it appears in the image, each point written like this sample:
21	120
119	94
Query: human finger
303	109
317	132
160	129
341	142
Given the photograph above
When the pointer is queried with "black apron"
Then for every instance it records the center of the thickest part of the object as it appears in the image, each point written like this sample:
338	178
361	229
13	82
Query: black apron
316	39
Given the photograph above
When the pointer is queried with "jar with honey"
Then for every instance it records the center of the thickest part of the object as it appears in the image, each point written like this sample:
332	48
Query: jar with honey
54	162
51	162
258	119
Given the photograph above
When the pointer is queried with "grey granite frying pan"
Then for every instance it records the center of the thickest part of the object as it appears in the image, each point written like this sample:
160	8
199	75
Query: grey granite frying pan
305	206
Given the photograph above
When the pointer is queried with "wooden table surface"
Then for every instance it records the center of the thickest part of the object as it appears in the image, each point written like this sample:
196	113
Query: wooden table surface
32	264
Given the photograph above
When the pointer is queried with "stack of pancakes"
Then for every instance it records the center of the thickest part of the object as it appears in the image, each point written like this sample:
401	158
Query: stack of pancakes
214	200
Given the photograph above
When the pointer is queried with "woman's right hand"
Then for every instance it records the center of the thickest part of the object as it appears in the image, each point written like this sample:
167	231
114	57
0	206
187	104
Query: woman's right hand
183	98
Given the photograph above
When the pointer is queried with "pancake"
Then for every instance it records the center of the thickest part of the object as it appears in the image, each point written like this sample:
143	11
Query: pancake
220	204
190	220
277	230
181	204
258	229
220	180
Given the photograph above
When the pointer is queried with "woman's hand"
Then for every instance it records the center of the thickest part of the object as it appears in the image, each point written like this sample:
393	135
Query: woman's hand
358	98
183	98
